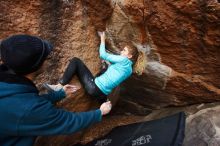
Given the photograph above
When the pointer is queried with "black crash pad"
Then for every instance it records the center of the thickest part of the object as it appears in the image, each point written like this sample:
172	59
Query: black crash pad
168	131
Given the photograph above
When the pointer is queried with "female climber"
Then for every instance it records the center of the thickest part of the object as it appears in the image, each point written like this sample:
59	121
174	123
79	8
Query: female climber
99	87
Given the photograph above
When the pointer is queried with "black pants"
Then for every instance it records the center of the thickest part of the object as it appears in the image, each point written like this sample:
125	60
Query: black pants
77	67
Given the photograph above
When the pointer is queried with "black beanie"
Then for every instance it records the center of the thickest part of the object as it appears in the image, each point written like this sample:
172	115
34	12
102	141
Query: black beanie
24	54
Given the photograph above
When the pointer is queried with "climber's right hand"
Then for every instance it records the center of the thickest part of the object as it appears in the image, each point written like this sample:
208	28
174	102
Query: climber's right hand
106	107
101	33
102	36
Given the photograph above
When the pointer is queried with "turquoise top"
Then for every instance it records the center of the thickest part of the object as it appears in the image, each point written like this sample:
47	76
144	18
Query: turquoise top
119	70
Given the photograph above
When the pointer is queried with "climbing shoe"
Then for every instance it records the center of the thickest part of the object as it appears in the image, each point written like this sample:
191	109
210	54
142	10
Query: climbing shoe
52	87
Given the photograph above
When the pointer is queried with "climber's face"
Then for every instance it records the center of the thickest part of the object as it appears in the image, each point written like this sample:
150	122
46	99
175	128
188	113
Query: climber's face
125	52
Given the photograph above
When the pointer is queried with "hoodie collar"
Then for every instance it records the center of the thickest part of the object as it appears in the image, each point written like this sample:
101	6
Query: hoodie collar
15	79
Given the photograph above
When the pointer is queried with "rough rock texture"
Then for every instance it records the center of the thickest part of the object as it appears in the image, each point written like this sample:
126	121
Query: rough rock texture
180	38
203	128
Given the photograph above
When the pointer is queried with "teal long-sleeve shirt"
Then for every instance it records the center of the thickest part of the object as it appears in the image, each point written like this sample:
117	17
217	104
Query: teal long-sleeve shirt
119	70
25	114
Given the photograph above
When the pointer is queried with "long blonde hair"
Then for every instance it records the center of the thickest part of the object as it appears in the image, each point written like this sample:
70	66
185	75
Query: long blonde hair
139	59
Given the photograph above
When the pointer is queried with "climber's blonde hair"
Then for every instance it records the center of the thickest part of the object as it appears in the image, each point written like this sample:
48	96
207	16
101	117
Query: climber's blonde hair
139	59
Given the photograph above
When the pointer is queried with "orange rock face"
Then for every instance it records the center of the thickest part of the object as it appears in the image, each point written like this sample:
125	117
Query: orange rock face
181	40
185	38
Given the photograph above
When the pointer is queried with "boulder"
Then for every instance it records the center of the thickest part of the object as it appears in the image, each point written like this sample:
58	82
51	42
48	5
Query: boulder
181	40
